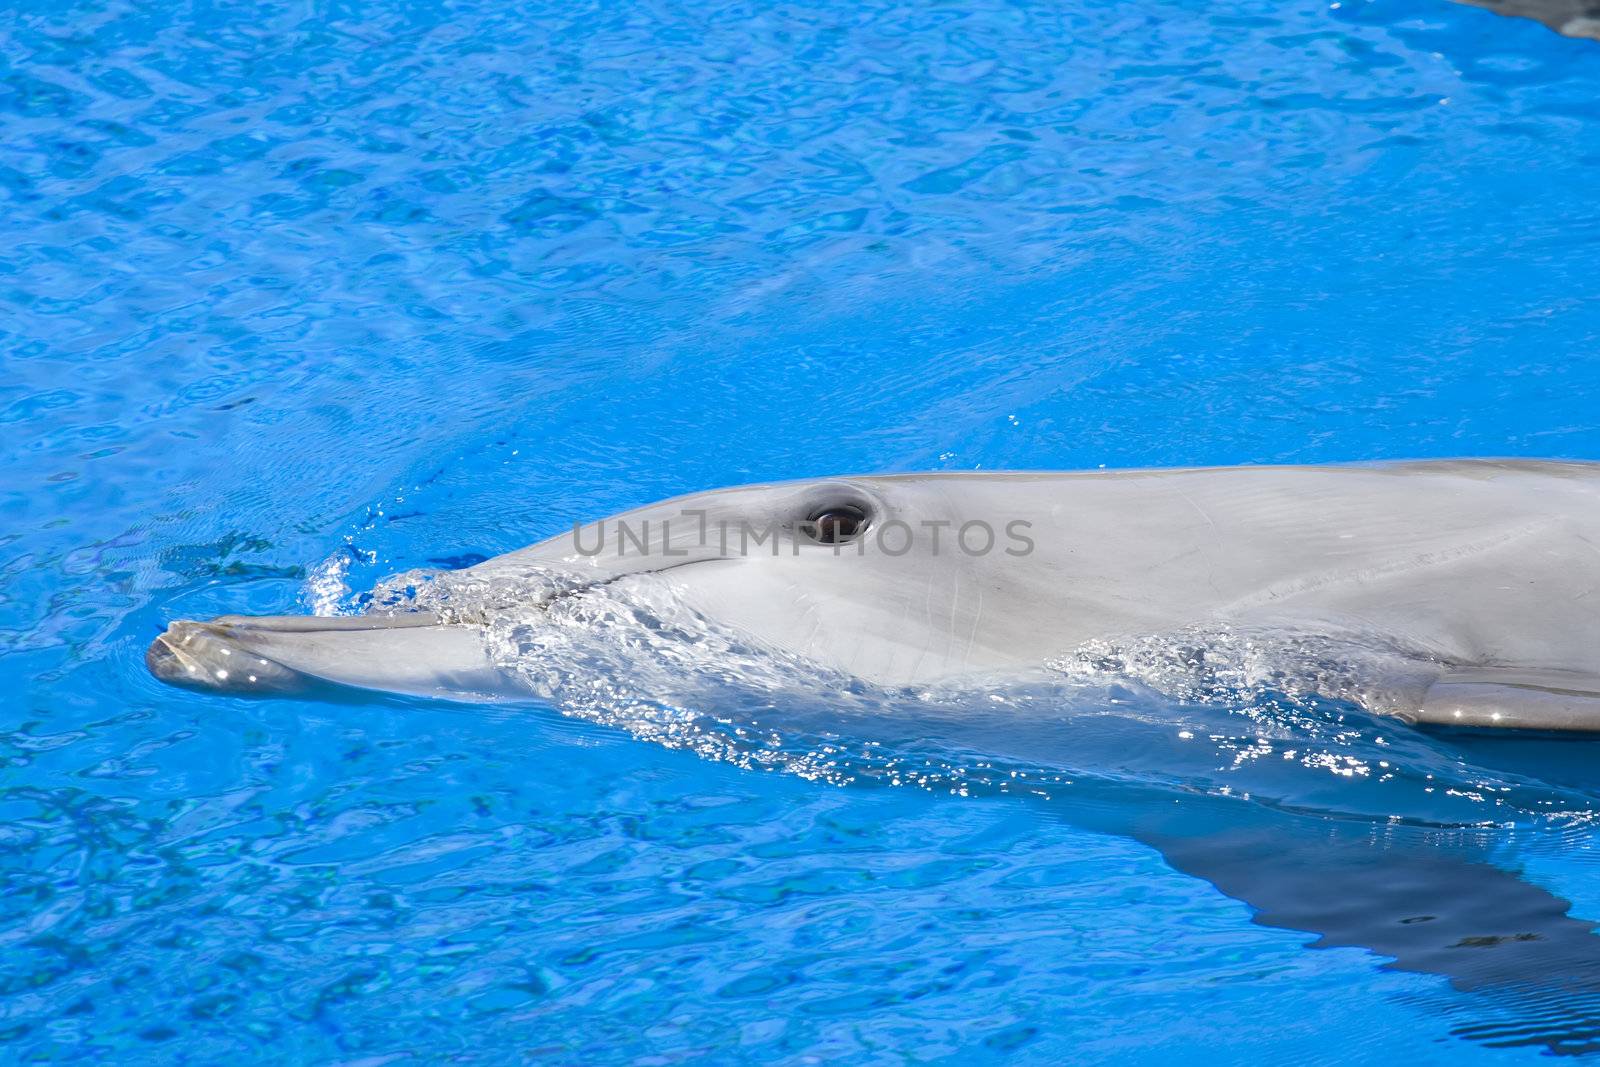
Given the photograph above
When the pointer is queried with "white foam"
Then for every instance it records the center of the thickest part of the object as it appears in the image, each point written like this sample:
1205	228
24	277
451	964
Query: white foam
327	588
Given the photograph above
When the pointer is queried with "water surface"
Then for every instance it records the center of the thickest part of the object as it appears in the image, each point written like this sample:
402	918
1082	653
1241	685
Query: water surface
295	296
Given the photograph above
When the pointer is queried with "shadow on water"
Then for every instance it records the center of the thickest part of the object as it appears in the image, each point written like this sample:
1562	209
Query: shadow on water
1408	861
1431	901
1431	898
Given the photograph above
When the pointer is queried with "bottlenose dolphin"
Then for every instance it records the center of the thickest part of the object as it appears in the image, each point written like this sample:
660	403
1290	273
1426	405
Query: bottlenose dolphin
1475	578
1458	593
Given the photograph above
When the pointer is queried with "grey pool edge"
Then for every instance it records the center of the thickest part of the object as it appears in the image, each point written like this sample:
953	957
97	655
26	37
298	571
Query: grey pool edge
1574	18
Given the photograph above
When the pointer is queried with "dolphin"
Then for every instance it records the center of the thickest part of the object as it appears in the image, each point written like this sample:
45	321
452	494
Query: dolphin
1458	593
1475	579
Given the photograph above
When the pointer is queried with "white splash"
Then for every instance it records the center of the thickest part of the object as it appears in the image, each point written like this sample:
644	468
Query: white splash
327	588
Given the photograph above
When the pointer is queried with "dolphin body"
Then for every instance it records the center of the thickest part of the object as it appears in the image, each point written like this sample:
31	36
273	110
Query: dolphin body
1478	578
1475	577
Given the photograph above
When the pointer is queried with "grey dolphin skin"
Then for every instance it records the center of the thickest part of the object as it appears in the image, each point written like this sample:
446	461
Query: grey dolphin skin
1572	18
1479	579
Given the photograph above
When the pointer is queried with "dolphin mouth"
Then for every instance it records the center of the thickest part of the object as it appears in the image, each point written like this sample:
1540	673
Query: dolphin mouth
580	586
222	655
209	656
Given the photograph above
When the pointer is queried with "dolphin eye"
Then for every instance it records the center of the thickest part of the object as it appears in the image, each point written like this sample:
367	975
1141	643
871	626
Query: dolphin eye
836	523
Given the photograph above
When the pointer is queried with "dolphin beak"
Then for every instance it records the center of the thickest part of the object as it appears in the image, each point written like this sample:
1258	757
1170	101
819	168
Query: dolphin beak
277	655
207	656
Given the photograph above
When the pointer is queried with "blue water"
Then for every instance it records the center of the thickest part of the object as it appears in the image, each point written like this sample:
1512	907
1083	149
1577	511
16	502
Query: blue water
295	296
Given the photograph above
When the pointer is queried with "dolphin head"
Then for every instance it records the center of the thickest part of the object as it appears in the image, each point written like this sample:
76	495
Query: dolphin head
893	580
897	580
